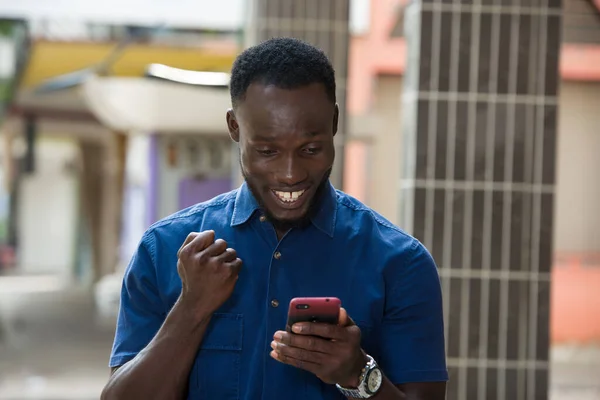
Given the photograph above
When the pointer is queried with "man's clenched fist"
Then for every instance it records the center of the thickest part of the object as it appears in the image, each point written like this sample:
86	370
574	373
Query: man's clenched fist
208	271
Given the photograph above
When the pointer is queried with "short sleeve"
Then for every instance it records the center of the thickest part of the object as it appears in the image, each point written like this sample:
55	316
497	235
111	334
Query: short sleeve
141	312
412	347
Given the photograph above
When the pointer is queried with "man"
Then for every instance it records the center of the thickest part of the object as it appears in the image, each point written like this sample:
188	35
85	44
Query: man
194	323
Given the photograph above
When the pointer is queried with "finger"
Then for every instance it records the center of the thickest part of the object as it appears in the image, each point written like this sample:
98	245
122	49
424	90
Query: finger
345	319
327	331
305	365
227	256
187	240
285	352
217	248
235	265
309	343
200	242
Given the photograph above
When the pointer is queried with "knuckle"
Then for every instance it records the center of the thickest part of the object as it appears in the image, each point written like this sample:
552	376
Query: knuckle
203	257
231	252
303	355
287	339
293	340
281	349
191	236
206	234
185	252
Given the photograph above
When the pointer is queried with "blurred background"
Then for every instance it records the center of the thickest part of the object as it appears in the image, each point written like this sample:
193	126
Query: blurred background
472	124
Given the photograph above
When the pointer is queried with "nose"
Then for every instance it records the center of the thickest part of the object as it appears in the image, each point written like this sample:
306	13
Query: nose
292	172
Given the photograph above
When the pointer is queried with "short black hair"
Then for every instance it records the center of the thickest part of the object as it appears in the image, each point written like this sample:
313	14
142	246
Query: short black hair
286	63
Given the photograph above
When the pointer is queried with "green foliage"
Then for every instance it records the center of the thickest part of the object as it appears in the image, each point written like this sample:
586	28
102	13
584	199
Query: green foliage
7	27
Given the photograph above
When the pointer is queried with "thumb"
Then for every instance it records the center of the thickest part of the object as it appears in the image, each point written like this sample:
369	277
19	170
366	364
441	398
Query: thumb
344	319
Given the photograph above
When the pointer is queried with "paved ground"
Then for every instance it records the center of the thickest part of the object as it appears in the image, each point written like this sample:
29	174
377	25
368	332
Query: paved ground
56	348
576	373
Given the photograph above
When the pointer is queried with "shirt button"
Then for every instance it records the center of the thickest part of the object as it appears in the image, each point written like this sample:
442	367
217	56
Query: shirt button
277	255
274	303
263	218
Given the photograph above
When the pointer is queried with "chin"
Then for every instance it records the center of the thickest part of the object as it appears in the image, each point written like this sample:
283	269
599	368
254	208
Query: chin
288	215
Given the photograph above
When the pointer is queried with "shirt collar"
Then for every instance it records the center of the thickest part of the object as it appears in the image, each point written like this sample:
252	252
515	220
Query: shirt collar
323	219
245	206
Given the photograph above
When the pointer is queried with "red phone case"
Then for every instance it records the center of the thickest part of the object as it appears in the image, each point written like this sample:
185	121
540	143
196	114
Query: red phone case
313	309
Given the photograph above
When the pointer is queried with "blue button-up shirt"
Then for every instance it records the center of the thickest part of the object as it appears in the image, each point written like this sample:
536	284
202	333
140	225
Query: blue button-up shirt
386	279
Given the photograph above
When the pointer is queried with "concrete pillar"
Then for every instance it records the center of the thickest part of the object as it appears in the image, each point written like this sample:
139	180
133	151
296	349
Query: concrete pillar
477	187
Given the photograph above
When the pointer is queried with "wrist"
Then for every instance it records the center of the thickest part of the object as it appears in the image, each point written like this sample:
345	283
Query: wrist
369	382
353	381
193	312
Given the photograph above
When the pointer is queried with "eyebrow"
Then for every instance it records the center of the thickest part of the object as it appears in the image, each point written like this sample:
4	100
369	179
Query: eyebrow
309	134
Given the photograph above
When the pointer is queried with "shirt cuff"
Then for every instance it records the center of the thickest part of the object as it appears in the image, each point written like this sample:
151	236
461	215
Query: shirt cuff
118	360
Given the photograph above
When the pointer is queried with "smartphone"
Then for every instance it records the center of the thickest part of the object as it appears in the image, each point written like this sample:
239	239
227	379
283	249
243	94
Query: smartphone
313	309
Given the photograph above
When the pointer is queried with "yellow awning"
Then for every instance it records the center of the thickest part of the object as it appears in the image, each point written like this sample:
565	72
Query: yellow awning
50	59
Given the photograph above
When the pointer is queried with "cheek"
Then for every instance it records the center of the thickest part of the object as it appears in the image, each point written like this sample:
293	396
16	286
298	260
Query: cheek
256	170
247	162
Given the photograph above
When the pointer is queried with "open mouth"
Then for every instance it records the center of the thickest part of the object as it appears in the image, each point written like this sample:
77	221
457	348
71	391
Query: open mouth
289	199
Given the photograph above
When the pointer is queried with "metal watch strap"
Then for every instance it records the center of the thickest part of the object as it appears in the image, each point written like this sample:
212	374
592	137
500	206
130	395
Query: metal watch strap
354	393
359	392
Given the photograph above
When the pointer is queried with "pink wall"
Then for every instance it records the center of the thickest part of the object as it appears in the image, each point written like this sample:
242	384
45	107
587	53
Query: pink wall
373	54
355	170
575	298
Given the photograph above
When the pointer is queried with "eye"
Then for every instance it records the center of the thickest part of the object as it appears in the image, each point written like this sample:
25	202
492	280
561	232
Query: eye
266	152
312	150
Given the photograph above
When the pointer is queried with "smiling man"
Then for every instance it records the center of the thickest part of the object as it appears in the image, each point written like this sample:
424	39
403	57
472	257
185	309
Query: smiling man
194	323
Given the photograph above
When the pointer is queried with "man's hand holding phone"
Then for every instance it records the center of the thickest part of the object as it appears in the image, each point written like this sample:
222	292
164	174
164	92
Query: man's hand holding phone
330	351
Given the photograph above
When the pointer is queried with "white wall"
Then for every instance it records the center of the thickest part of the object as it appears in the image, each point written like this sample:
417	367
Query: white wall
386	151
210	14
223	14
135	203
48	211
577	207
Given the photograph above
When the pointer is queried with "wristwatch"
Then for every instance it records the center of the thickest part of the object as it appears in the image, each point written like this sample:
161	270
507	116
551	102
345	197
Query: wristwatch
369	384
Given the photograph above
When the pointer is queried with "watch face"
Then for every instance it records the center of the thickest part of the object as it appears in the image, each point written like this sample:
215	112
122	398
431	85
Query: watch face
374	380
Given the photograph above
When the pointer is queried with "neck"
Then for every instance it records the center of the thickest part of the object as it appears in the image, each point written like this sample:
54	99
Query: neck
281	233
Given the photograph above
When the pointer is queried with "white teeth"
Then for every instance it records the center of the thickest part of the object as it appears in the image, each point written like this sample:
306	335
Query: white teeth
289	197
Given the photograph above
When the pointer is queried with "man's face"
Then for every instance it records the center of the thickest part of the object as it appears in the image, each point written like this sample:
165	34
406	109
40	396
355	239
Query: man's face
286	146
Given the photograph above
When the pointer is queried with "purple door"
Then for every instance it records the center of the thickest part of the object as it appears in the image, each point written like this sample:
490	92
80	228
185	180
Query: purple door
192	191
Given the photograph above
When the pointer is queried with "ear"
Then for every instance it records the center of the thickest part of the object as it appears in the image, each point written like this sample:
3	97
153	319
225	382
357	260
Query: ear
336	115
233	126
